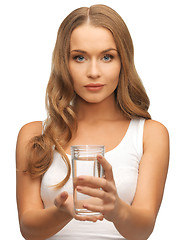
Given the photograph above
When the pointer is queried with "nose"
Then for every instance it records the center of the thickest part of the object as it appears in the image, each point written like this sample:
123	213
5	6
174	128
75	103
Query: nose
93	70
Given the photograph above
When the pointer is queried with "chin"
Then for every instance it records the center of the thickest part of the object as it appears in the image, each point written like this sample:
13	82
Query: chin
94	101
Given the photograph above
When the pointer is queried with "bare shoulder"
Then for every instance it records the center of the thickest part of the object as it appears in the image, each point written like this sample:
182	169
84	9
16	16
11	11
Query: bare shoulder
152	125
155	133
30	130
154	128
26	133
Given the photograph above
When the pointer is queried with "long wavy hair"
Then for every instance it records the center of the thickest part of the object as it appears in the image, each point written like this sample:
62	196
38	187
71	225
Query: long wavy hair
61	122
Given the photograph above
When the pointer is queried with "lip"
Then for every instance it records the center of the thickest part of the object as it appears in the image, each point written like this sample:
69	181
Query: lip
94	86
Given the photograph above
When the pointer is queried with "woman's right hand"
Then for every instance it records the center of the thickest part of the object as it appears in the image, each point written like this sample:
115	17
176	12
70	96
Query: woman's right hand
64	202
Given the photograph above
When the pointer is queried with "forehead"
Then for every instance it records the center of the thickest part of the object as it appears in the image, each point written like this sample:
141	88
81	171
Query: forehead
88	37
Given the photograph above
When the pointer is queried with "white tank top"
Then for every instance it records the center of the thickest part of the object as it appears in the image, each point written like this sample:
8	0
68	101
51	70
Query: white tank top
125	159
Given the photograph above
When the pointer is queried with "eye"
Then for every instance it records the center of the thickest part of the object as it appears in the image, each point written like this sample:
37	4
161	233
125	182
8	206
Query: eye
108	57
79	58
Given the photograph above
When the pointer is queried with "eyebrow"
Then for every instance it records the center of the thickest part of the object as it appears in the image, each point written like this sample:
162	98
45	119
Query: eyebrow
104	51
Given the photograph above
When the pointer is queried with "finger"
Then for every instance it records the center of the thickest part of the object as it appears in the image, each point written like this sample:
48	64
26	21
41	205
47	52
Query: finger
93	218
95	182
94	208
107	167
60	199
93	192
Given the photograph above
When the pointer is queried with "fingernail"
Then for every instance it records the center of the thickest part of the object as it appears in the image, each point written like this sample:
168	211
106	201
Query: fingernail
78	188
63	195
99	157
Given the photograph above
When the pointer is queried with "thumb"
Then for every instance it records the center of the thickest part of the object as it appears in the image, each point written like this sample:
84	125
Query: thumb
60	199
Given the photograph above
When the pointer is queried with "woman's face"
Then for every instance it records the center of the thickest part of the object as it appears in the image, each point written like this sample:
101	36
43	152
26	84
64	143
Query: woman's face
94	63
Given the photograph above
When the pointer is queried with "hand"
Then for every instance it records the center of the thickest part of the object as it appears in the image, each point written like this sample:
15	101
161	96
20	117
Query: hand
108	195
64	202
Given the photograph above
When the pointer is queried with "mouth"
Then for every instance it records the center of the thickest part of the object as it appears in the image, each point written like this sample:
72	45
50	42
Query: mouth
94	86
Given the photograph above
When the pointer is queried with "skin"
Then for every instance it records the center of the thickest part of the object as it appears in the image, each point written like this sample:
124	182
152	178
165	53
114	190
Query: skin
99	121
94	63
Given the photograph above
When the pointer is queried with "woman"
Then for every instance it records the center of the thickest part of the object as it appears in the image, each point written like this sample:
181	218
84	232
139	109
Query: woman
94	96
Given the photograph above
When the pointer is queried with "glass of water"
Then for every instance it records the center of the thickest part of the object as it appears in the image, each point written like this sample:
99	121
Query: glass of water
84	162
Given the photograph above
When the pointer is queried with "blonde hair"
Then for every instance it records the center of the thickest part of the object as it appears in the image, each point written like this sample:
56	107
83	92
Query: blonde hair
62	121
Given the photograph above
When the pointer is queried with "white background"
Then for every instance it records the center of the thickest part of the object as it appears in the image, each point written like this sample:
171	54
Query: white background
27	36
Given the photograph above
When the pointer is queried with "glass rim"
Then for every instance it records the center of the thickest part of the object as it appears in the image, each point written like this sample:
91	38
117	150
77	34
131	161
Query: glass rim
87	146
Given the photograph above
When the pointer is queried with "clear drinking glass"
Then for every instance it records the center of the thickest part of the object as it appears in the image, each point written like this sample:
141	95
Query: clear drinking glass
84	162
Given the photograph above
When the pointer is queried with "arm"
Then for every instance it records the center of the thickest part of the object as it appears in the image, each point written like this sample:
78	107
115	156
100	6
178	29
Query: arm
35	221
141	216
135	222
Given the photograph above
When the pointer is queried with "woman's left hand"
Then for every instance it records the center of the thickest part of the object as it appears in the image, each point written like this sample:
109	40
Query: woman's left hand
102	188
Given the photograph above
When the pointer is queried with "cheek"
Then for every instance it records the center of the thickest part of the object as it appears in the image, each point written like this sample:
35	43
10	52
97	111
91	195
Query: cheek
113	74
71	70
76	72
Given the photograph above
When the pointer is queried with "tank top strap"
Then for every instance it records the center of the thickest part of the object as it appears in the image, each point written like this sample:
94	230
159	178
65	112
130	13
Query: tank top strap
140	135
136	135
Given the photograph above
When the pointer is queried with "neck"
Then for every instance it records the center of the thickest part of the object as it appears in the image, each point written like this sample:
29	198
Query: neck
92	112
